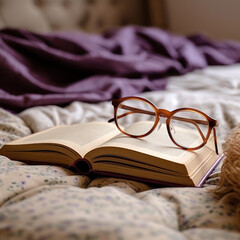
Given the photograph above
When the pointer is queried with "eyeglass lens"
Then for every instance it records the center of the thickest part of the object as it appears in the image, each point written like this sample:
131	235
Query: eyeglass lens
188	128
135	111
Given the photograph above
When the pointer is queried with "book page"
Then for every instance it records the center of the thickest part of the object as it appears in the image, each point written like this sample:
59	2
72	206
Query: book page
157	144
82	136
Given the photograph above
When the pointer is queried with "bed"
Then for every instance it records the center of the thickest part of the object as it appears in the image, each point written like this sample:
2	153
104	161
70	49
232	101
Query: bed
51	202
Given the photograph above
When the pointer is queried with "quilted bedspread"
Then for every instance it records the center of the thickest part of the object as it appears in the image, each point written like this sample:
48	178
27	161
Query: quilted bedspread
50	202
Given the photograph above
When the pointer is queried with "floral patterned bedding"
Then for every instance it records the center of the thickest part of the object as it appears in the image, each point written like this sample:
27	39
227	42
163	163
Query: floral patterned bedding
50	202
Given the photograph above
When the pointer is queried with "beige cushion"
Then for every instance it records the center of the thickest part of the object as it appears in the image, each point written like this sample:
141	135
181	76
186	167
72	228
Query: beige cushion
29	16
52	15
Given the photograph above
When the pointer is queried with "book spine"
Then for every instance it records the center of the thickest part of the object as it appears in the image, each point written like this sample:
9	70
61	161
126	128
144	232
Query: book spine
200	184
83	166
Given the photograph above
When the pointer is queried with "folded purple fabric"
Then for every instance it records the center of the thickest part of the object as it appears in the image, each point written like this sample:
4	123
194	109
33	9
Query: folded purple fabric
57	68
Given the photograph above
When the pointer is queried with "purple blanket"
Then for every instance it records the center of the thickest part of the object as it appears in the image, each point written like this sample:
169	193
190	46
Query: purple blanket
57	68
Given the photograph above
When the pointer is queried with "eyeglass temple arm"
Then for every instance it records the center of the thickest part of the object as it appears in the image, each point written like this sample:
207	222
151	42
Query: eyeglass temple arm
120	116
215	140
134	110
153	114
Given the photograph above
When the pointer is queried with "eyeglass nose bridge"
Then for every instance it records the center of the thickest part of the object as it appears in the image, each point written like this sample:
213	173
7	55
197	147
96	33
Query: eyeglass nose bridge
164	113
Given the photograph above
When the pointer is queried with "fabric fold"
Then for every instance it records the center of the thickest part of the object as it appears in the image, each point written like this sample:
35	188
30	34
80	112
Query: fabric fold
58	68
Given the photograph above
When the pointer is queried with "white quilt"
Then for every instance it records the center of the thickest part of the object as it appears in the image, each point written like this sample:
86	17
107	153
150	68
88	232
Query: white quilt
49	202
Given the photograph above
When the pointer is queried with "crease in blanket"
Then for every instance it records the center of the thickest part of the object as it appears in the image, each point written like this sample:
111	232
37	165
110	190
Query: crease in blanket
229	180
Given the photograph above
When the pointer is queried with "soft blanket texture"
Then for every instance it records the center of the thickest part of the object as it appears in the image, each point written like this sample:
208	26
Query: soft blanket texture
49	202
57	68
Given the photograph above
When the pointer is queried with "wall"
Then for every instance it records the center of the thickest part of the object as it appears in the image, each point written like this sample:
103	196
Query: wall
219	19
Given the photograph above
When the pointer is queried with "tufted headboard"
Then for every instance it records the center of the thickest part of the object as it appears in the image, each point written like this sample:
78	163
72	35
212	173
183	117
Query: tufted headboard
72	15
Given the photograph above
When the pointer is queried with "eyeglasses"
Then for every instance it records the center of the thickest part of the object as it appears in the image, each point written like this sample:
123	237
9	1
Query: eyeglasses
188	128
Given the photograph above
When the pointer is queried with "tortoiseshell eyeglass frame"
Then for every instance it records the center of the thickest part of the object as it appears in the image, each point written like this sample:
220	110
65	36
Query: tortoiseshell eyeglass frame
212	123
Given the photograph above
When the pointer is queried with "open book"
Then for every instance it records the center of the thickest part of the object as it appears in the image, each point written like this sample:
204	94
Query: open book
99	148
